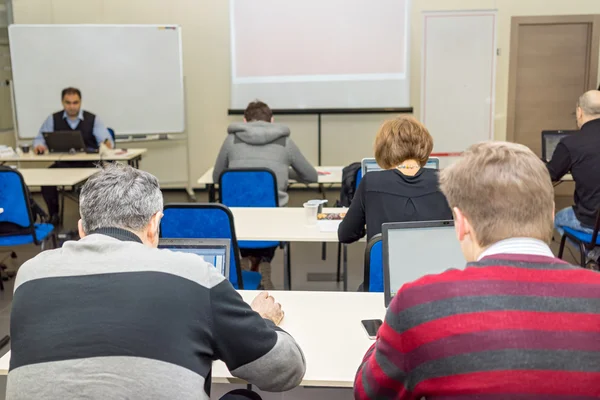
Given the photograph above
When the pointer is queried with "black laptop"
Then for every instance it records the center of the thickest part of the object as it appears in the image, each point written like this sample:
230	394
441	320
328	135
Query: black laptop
550	140
66	142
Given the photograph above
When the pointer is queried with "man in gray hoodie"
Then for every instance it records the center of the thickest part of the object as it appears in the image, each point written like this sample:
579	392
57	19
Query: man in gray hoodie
260	143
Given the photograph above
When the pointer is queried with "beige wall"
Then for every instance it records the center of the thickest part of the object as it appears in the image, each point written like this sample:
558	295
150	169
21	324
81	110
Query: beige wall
206	64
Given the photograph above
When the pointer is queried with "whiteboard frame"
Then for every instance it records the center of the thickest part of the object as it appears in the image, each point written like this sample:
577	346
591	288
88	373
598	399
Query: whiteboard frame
177	27
455	13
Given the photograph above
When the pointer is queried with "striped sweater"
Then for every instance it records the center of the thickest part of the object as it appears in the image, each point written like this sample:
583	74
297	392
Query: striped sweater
509	326
108	318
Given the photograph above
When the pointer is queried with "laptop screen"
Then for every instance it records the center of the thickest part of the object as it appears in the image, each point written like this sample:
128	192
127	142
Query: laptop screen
213	251
415	249
370	165
550	140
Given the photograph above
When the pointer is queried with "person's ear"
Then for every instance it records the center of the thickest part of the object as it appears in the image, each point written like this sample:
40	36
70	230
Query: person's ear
154	229
460	224
80	229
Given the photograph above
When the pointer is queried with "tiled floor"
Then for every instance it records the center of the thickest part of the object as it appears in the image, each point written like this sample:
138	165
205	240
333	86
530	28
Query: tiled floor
306	258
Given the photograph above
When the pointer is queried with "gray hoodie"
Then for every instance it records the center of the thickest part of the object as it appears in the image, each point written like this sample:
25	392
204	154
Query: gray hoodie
264	145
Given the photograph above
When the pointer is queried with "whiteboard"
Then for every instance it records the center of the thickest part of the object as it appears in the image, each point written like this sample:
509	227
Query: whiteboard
131	76
458	74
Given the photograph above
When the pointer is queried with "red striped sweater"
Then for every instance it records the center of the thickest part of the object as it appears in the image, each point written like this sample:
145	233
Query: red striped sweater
507	327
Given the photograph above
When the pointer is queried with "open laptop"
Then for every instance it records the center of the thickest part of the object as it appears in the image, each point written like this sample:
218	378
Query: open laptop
550	140
370	165
213	251
64	142
415	249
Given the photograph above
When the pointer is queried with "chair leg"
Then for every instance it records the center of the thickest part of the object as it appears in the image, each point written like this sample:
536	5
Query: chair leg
561	249
54	240
339	263
323	251
582	254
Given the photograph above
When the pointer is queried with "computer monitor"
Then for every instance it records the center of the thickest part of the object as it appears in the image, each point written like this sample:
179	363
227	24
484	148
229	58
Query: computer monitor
370	165
550	140
412	250
213	251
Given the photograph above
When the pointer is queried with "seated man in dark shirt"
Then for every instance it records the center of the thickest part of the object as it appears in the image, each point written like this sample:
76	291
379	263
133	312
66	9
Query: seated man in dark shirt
579	153
405	191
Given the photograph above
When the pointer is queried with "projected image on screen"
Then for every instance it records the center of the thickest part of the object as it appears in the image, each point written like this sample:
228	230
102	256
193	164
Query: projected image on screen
318	39
300	49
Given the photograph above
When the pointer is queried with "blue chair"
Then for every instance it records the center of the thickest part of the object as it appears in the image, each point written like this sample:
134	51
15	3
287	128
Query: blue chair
373	279
111	131
358	177
249	187
208	221
585	241
339	254
16	219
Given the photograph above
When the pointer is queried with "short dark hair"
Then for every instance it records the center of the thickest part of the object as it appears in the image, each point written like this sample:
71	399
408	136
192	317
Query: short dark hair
70	90
258	111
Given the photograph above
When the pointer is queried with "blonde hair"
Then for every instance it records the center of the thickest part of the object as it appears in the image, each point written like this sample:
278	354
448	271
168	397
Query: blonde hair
504	190
400	139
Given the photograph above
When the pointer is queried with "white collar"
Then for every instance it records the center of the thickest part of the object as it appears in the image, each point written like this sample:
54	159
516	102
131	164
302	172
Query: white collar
521	245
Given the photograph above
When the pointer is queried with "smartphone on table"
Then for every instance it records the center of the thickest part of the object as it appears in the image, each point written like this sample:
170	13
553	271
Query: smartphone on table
371	327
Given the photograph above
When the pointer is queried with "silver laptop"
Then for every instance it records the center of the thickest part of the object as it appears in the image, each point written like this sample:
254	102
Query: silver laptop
213	251
370	165
412	250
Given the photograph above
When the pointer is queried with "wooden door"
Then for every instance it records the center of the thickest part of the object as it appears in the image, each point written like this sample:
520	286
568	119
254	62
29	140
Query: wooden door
553	61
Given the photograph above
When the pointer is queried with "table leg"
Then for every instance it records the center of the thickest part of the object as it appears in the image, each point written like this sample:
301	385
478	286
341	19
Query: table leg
345	264
287	270
211	193
61	210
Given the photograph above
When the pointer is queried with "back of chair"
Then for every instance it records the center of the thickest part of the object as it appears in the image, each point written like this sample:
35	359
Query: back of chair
16	217
111	132
248	187
373	278
358	177
203	221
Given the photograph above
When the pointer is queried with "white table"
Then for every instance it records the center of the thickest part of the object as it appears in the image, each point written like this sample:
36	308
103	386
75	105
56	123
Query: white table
284	224
327	175
59	177
327	327
55	176
131	156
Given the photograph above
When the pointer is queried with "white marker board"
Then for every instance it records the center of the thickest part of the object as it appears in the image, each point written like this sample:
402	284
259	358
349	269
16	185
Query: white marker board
458	73
131	76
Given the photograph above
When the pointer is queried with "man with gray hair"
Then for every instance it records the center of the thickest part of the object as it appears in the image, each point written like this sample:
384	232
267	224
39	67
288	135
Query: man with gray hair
580	154
111	316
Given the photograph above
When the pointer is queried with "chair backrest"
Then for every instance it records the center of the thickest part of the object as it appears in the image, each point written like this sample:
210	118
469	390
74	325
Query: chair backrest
358	177
248	187
111	132
17	218
373	277
203	221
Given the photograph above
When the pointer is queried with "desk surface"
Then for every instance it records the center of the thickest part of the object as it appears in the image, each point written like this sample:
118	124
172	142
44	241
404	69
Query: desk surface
333	175
325	324
285	224
56	176
110	155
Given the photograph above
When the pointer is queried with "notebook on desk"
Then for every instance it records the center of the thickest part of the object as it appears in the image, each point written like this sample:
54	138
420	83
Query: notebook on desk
213	251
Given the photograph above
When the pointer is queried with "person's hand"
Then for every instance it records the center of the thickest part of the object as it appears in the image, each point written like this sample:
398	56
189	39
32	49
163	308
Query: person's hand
265	305
40	149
